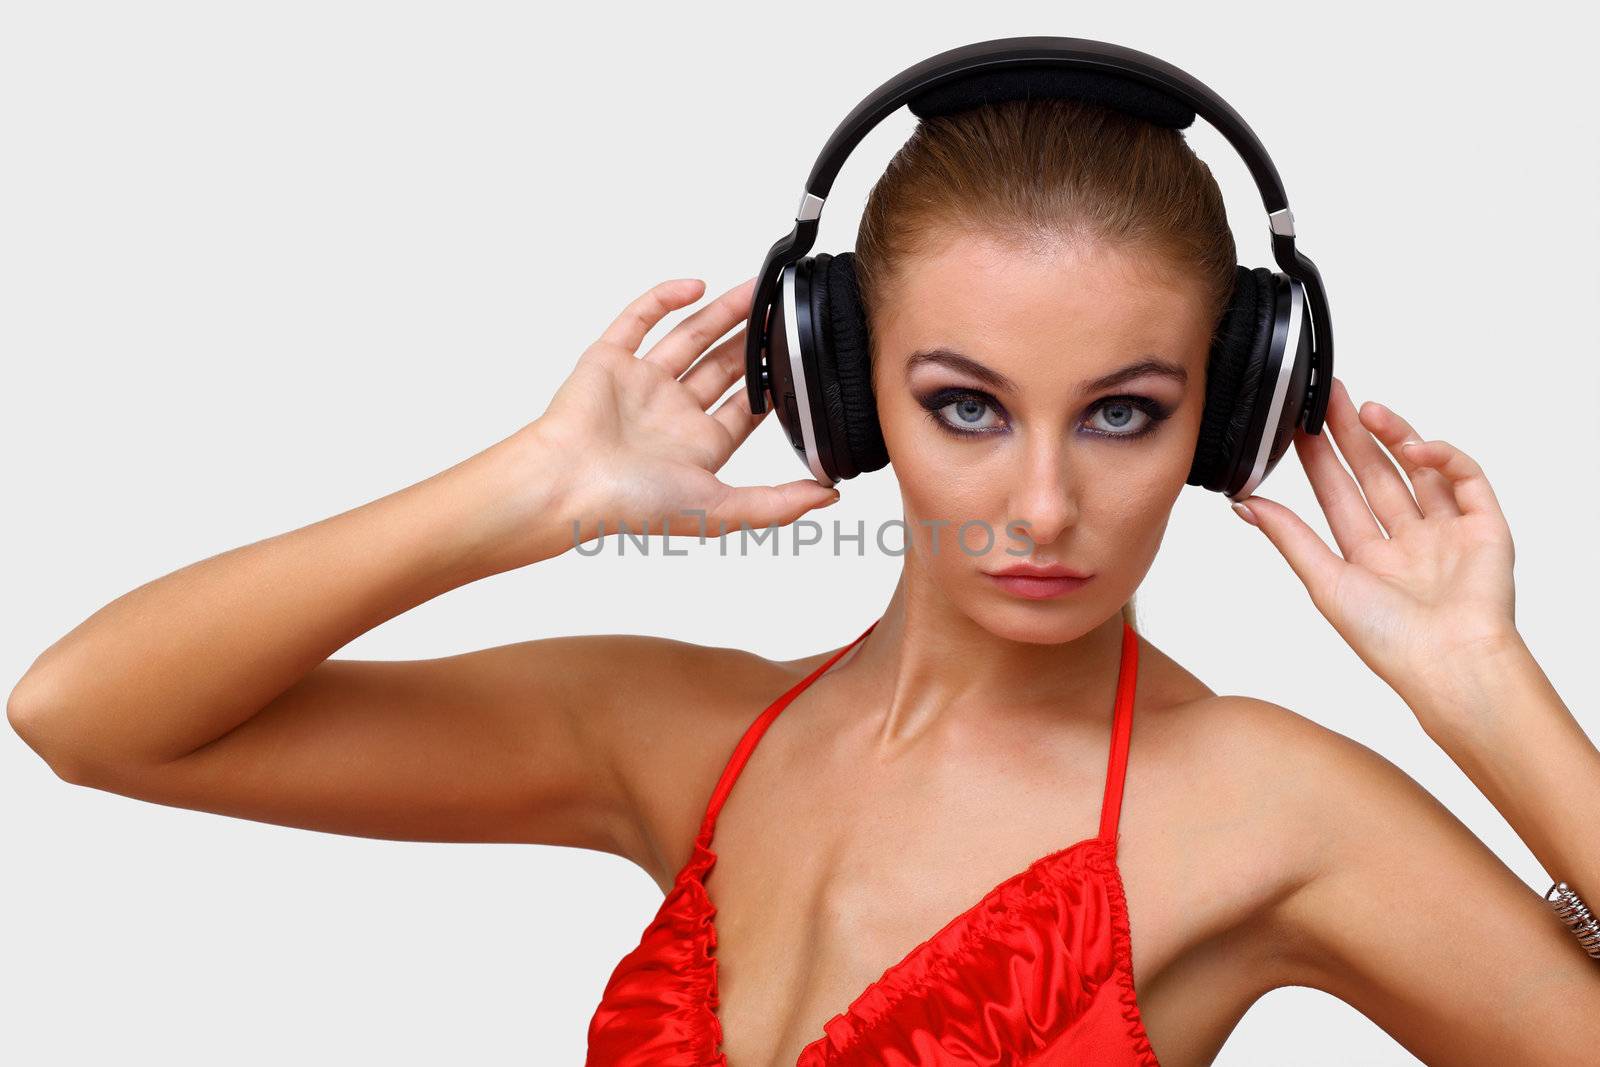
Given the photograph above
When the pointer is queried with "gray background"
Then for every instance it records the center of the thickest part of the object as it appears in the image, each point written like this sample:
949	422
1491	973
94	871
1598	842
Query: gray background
263	263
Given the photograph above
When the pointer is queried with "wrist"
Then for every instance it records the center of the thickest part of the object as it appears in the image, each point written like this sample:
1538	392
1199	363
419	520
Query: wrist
510	505
1474	689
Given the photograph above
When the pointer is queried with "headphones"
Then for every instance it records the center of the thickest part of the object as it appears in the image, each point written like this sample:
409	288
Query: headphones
806	342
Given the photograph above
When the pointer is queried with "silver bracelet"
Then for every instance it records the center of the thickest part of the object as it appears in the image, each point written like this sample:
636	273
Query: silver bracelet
1583	924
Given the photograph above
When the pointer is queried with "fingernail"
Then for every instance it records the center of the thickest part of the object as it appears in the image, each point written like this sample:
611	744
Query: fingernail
1246	514
1408	444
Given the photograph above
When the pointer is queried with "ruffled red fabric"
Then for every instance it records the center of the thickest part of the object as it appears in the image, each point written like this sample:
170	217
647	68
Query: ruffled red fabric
1038	971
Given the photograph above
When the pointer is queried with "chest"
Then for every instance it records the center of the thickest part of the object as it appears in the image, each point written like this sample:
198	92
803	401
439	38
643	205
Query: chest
821	896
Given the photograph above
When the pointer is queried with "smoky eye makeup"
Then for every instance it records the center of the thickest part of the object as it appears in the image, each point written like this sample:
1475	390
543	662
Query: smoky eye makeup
964	412
973	413
1111	416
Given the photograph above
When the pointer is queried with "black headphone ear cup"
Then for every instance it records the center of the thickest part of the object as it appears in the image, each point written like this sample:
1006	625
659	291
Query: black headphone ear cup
844	364
1239	352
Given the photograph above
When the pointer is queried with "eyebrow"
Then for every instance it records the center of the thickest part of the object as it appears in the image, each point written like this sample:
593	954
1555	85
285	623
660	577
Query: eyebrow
989	376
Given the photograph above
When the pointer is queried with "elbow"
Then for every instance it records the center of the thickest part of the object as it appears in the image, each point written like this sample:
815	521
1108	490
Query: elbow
28	711
25	712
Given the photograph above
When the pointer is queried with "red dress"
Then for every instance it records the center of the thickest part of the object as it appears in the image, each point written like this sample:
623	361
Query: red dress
1037	972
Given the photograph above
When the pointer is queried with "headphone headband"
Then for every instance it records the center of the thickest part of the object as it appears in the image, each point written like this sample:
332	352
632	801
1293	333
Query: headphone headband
1061	54
1051	53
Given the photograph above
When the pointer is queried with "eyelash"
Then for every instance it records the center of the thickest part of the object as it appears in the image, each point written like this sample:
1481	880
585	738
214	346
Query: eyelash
943	398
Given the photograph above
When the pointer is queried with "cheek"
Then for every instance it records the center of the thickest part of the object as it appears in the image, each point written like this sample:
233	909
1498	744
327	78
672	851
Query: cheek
944	483
1141	478
1135	485
940	476
1127	516
940	489
1130	516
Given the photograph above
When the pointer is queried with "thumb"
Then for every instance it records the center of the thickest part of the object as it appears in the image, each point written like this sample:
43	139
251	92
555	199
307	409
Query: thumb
771	505
1308	555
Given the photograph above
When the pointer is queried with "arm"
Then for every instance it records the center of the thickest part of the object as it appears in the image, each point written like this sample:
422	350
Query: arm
1426	600
1410	919
181	661
212	687
1502	722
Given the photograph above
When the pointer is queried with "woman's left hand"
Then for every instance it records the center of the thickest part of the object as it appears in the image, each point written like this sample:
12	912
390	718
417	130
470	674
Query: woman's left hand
1430	585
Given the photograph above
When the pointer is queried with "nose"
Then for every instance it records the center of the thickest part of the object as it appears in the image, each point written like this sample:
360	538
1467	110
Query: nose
1044	493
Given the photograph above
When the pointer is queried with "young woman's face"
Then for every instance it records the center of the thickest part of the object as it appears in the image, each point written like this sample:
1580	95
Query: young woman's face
986	361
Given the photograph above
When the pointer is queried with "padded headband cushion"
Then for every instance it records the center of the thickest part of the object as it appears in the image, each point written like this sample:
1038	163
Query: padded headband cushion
1239	353
844	364
1019	82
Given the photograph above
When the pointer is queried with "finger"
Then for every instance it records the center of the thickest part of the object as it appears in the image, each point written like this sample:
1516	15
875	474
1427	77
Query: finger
641	316
1316	565
713	372
1386	492
1349	518
736	417
1470	485
695	334
769	505
1432	488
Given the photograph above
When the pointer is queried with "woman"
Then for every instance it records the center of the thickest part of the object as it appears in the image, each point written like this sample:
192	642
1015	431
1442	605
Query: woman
894	880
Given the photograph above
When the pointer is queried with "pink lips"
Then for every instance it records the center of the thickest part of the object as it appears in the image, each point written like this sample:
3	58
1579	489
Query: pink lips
1034	582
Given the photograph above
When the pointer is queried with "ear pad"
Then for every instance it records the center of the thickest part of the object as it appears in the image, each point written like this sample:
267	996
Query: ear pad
843	352
1234	371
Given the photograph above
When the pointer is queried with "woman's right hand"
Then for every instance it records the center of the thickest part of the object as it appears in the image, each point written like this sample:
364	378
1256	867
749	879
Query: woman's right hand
633	436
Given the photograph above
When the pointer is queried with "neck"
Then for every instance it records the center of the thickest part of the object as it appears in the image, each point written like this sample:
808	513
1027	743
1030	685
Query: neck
930	670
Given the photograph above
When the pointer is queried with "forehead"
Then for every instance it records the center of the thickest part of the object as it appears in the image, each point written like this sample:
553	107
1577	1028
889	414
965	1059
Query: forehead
1009	302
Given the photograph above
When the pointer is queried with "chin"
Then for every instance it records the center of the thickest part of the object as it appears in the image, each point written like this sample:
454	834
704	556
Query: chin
1040	622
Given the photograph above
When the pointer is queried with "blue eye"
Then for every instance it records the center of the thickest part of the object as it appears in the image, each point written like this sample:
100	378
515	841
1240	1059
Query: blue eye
962	412
1121	412
970	413
967	414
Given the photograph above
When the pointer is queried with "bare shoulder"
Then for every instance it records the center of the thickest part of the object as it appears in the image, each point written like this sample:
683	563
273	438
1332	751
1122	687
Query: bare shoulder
1256	801
1318	809
1326	789
1310	785
673	713
1385	899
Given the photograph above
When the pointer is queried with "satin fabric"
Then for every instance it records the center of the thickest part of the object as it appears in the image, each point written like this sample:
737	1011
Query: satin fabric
1038	971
